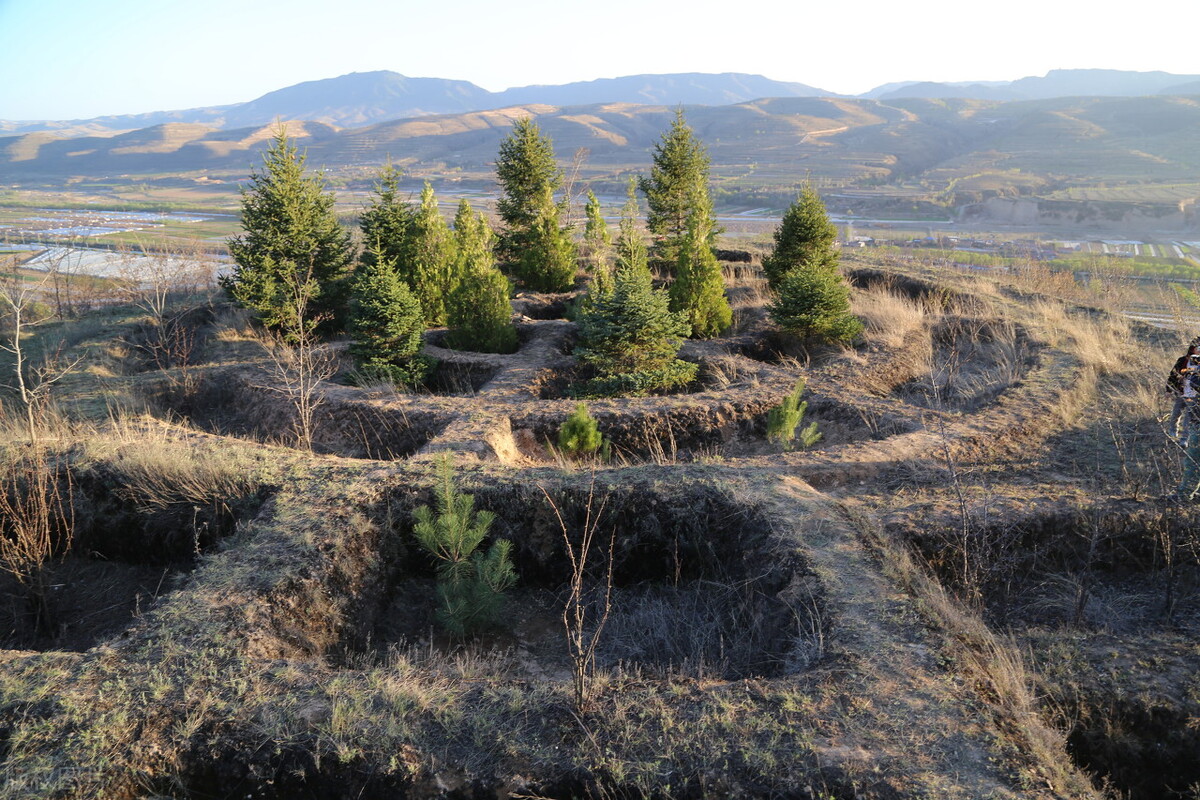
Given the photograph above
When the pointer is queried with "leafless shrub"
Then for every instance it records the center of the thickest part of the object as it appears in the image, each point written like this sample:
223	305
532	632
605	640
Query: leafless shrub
37	519
582	634
33	374
157	283
299	362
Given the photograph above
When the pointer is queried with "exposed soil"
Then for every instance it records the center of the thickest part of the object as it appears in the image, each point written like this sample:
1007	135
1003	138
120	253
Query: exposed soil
697	589
89	602
838	622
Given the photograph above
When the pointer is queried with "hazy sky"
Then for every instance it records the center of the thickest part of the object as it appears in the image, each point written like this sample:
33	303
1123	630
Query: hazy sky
70	59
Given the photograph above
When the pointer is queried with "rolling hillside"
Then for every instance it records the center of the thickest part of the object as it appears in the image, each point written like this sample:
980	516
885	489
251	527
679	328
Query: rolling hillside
958	151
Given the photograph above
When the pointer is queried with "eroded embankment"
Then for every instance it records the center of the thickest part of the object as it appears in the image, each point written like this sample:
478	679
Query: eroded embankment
269	684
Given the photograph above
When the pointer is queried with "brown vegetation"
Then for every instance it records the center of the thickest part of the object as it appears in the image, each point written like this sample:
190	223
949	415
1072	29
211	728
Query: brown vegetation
942	597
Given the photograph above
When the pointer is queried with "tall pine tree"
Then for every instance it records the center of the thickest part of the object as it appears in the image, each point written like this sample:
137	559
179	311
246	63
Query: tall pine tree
804	237
291	239
533	240
426	261
385	223
678	181
597	240
698	291
812	298
385	324
627	332
478	311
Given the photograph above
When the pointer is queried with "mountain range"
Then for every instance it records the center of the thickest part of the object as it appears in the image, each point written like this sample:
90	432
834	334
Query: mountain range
366	98
960	150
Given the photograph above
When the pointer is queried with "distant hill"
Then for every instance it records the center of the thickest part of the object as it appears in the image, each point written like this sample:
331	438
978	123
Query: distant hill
366	98
693	88
1056	83
363	98
959	150
360	98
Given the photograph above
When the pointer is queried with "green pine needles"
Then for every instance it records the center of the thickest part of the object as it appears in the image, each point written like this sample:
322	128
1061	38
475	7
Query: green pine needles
533	242
580	435
812	298
479	314
470	583
698	291
291	242
627	333
815	303
386	325
785	418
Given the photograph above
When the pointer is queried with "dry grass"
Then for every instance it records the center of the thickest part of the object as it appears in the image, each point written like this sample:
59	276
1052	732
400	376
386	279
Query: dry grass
889	316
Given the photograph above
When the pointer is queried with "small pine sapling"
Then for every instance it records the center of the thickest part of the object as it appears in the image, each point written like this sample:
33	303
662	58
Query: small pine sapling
580	435
783	419
470	583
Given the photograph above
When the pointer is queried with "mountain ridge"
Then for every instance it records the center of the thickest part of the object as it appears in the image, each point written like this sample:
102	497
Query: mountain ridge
365	98
963	150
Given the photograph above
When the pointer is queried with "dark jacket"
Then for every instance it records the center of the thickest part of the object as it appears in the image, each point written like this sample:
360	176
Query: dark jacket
1175	379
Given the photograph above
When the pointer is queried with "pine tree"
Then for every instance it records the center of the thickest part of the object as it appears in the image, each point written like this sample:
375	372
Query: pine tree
478	310
291	239
628	335
698	292
471	584
386	324
804	237
815	303
597	240
580	434
678	181
785	418
631	245
533	239
385	223
547	262
812	298
427	258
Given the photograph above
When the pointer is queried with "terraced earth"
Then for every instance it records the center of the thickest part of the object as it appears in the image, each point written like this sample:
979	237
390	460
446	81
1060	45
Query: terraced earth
975	585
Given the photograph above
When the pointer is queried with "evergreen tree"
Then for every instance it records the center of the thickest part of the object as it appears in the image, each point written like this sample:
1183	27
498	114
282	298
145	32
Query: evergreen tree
815	302
533	239
812	298
547	261
478	311
291	239
785	418
386	324
678	181
580	434
385	223
698	292
597	241
628	335
470	583
804	237
427	258
631	246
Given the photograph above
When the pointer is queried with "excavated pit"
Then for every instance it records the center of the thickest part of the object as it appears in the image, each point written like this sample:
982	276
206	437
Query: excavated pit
346	425
127	550
699	585
457	379
180	340
971	363
1119	570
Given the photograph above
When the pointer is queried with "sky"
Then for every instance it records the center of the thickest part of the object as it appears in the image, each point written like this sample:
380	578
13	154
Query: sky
75	59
